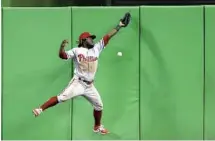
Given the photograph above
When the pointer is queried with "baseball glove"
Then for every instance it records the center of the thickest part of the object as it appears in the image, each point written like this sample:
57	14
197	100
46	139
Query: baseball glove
126	19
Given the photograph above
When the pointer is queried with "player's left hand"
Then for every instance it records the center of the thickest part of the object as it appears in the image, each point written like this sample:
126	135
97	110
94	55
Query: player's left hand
65	41
125	20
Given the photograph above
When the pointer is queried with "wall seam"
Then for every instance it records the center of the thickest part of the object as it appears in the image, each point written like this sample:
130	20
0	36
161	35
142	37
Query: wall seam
203	72
71	106
2	84
139	74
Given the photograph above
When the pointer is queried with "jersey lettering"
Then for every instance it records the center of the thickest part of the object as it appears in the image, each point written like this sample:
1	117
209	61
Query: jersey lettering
82	58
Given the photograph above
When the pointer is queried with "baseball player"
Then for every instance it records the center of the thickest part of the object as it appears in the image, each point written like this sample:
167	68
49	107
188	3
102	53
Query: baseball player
85	58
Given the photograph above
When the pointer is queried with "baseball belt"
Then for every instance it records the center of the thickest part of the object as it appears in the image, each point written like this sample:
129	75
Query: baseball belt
87	82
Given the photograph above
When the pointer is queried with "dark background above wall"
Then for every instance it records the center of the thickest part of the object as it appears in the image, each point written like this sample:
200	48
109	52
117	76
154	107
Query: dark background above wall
59	3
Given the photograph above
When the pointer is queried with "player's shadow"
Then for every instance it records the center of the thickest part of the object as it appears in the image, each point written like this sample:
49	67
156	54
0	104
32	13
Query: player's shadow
160	99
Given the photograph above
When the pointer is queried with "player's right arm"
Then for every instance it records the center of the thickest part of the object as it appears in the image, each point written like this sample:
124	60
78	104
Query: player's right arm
65	54
113	31
104	41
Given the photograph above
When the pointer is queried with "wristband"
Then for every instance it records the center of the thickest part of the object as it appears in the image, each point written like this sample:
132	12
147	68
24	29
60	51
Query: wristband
117	27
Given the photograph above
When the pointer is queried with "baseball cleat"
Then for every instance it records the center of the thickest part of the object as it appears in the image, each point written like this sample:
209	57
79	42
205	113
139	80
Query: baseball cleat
100	129
37	112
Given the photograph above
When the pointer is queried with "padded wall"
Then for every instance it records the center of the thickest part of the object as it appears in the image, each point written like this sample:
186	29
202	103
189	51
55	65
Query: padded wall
117	77
209	75
167	47
32	72
171	73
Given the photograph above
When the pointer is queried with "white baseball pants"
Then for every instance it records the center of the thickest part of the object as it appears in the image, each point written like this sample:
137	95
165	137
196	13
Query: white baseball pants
77	87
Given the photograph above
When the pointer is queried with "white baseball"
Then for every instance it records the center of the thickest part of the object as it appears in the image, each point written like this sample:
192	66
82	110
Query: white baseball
119	53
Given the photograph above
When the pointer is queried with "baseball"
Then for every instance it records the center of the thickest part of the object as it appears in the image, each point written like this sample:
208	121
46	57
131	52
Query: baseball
119	53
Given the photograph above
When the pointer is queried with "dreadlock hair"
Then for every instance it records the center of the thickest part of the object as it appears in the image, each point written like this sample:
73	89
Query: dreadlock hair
81	42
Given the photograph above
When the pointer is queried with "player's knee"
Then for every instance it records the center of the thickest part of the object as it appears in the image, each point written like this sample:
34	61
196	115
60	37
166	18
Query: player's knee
62	98
98	107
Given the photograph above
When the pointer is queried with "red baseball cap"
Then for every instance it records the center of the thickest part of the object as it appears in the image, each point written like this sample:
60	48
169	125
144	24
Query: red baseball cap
85	35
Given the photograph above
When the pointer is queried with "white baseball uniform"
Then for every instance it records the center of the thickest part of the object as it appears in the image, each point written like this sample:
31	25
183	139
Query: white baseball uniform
85	63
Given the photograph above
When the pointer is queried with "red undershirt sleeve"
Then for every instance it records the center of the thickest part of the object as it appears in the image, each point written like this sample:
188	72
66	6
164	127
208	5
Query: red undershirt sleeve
102	43
63	55
106	39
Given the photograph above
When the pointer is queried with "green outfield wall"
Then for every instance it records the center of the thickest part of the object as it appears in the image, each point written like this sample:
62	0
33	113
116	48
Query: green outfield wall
160	89
209	72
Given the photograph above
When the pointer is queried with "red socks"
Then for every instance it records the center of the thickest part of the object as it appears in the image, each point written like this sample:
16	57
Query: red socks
97	116
51	102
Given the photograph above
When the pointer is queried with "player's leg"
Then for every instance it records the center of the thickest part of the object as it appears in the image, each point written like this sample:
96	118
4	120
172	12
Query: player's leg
92	95
74	88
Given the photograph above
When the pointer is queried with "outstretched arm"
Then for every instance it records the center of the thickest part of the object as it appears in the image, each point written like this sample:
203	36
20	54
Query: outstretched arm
123	23
113	32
